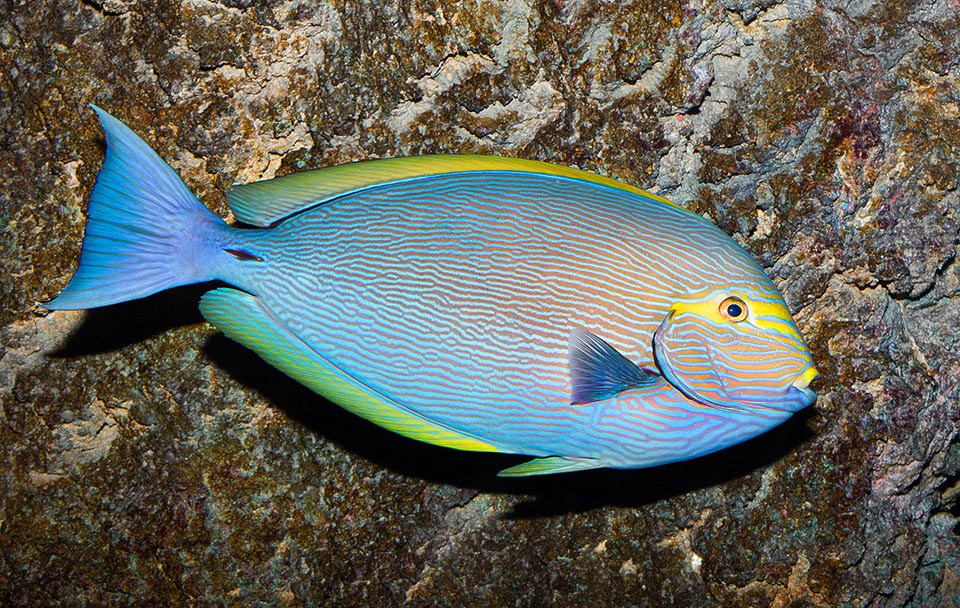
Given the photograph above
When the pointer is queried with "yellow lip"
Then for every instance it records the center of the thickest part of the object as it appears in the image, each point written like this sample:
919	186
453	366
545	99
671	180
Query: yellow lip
802	383
808	376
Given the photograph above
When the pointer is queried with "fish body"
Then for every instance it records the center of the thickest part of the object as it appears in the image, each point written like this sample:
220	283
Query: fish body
479	303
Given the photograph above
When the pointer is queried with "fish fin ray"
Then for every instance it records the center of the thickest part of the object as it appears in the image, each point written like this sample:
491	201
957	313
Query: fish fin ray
551	465
142	229
265	202
599	371
243	317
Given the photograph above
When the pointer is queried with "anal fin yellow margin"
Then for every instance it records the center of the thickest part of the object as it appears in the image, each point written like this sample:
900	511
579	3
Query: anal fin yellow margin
243	318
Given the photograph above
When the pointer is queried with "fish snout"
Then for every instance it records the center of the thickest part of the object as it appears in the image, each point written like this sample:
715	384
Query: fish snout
800	393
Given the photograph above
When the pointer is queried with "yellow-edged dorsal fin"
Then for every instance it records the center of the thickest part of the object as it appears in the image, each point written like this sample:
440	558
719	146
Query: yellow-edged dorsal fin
265	202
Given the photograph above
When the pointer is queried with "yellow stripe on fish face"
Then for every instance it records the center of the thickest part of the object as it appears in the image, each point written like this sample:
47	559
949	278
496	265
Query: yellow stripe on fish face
765	315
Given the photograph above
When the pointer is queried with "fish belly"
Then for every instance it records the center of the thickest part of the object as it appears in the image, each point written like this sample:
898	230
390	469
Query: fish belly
456	296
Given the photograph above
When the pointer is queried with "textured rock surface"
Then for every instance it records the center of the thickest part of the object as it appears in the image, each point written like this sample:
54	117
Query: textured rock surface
148	461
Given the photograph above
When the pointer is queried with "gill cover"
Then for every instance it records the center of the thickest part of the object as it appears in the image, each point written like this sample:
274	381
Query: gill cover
715	355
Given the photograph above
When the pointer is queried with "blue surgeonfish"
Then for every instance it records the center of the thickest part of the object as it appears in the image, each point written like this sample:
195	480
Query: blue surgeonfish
474	302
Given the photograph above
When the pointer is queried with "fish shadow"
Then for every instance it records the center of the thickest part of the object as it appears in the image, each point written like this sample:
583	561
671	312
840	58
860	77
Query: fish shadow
589	490
542	496
113	327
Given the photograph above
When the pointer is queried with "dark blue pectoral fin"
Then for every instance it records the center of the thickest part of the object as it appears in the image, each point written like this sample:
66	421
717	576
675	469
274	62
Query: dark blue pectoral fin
599	371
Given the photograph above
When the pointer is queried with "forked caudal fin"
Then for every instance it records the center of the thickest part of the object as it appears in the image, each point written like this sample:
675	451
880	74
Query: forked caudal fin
146	232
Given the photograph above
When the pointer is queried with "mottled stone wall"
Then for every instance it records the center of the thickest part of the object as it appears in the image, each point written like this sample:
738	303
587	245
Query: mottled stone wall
146	460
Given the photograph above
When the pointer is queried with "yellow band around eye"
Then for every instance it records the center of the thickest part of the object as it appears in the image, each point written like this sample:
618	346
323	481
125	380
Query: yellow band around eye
759	313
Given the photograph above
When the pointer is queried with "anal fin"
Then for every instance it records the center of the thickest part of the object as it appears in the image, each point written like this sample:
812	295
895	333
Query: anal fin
244	318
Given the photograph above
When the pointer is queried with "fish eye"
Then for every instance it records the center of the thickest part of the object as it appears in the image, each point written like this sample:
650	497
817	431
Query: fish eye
733	309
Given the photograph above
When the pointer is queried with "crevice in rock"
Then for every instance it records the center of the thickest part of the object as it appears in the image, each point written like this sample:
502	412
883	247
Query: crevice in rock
949	489
102	7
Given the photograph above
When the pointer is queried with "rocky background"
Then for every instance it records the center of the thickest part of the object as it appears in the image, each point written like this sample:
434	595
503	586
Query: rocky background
148	461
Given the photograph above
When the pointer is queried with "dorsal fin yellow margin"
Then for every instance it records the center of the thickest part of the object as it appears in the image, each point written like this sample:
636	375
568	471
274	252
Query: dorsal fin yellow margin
265	202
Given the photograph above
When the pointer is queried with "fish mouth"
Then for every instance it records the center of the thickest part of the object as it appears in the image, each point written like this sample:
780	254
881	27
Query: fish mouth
800	389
